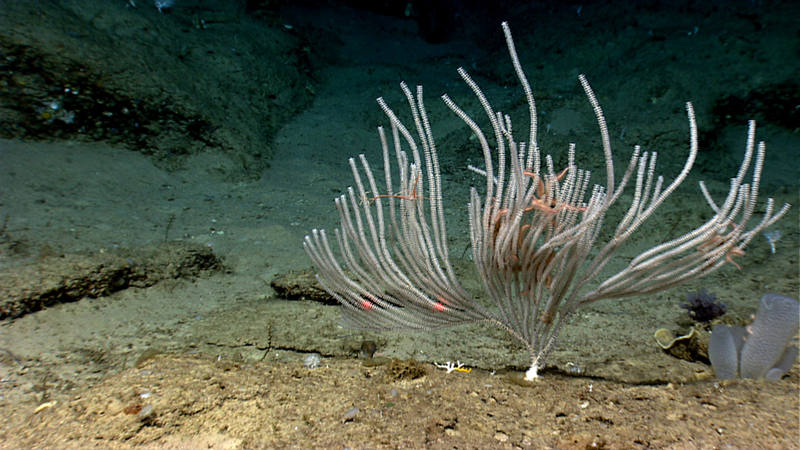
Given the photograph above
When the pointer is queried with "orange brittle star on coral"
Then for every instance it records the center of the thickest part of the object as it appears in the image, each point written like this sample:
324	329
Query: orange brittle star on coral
413	195
716	241
539	199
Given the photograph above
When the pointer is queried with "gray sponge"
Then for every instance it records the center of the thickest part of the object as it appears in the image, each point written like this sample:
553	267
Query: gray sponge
762	350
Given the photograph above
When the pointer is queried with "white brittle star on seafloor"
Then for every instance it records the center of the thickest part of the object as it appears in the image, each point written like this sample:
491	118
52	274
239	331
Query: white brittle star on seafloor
449	366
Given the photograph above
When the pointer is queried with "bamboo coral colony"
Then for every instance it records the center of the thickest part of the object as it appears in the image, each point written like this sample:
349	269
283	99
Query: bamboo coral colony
534	233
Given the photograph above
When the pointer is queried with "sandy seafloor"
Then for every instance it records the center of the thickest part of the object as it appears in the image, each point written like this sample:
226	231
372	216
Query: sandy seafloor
225	365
